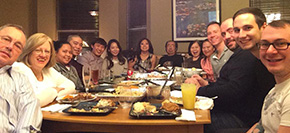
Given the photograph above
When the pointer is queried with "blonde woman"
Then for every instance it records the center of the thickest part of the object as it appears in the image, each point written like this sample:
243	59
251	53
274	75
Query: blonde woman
36	62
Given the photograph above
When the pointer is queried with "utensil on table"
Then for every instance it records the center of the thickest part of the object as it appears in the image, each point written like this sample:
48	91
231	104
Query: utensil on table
149	81
159	96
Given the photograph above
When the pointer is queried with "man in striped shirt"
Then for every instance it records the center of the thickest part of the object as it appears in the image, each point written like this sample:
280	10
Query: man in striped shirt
20	109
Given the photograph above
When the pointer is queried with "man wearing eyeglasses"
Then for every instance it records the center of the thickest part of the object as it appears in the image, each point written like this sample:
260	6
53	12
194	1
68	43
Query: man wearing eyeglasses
19	107
275	55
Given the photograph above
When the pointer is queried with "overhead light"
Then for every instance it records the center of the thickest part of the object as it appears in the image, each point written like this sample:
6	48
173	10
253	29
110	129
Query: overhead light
93	13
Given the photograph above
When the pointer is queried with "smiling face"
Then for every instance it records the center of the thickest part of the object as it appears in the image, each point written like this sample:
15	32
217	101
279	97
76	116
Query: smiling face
64	54
12	42
39	57
246	31
195	49
214	34
98	49
227	34
144	45
76	44
207	48
276	61
114	49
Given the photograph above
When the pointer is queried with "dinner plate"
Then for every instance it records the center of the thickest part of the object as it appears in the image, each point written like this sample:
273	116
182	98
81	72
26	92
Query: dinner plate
160	115
61	100
87	109
201	101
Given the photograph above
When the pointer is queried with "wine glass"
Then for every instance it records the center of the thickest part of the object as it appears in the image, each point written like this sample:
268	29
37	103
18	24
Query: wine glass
86	73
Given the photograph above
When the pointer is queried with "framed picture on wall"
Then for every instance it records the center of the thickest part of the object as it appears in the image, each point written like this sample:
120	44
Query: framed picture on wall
190	18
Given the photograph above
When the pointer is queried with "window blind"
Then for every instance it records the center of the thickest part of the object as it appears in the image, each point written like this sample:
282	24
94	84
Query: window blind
273	9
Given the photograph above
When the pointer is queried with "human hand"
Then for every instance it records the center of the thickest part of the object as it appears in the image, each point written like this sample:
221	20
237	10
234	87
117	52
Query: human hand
193	81
200	80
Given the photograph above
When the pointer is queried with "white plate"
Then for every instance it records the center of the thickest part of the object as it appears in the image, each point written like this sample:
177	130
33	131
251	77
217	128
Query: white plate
201	102
61	100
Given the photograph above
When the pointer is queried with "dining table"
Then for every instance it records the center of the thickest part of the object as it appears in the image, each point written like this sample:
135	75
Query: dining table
119	121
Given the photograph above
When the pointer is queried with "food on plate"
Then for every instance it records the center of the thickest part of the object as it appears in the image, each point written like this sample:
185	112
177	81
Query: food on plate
83	110
170	106
177	100
144	107
105	103
156	75
128	83
80	96
124	91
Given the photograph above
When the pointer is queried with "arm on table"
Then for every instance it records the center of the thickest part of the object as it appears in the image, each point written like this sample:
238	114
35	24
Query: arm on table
62	82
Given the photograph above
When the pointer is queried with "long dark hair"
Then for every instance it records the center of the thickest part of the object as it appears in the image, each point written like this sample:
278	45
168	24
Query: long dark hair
139	47
120	56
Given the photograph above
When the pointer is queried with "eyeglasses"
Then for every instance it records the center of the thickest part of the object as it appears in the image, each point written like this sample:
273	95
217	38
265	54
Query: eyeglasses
276	45
7	40
39	51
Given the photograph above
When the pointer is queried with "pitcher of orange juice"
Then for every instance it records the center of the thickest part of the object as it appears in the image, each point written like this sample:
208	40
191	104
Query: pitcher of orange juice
188	95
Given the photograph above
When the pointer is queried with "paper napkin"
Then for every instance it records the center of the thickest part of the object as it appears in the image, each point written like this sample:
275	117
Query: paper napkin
187	115
56	107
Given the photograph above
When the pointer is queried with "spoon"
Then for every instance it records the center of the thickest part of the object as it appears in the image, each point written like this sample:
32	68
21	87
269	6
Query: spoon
159	96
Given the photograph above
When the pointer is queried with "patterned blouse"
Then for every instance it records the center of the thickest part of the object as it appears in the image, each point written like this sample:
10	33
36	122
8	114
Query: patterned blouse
143	63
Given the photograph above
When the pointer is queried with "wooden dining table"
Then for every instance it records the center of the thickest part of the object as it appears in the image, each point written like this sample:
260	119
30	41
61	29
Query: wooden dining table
119	121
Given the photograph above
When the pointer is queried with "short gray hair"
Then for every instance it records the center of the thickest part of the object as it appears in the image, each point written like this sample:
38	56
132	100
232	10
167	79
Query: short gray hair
18	27
69	38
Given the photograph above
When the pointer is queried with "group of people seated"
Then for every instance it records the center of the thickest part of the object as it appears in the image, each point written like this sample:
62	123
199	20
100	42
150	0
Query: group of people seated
243	58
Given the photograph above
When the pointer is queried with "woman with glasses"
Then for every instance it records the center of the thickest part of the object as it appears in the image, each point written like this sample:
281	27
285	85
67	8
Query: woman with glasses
36	62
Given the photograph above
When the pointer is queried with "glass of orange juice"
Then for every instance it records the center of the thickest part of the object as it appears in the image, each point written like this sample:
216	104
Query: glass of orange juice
188	95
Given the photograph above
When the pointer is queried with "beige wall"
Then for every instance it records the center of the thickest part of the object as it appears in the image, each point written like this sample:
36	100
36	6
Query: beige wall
46	18
160	24
21	12
109	19
113	20
229	7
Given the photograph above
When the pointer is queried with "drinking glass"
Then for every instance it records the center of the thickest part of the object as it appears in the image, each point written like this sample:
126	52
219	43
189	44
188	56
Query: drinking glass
178	75
86	77
188	95
106	74
95	76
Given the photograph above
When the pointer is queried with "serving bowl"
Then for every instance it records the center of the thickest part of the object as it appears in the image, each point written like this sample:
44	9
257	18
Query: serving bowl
188	72
126	97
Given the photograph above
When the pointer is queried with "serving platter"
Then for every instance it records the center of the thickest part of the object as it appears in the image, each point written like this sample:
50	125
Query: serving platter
161	114
68	99
88	108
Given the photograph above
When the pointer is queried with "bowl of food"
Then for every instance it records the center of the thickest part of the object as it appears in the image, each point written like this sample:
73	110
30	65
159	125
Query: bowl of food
188	72
126	97
153	92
